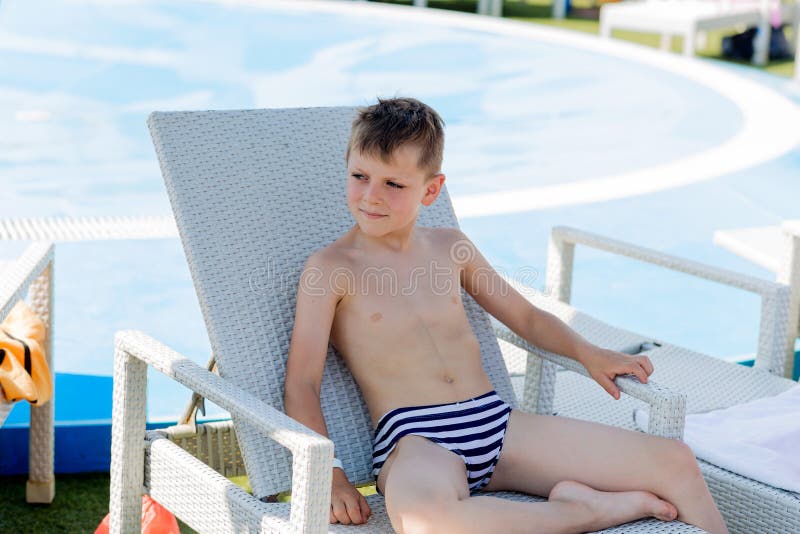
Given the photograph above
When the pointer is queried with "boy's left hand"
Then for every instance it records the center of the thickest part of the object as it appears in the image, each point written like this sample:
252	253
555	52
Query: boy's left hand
603	365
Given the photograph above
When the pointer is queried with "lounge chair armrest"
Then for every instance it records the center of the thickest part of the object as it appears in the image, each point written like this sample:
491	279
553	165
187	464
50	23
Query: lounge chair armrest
312	454
22	272
273	423
668	406
772	353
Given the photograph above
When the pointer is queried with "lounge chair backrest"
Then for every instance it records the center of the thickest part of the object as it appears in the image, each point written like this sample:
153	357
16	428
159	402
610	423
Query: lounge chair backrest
254	193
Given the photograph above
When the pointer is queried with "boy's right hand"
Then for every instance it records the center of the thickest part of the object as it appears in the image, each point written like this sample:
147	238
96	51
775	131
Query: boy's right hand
348	506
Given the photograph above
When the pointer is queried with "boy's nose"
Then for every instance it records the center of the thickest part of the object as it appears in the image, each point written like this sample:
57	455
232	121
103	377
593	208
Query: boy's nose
372	194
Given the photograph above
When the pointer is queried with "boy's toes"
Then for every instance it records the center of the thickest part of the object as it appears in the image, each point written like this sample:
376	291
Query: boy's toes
665	511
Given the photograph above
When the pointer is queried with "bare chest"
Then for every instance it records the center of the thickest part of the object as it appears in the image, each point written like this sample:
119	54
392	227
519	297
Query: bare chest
399	306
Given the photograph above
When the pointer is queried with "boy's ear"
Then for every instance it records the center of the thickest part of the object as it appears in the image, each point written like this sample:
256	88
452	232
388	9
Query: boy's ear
432	189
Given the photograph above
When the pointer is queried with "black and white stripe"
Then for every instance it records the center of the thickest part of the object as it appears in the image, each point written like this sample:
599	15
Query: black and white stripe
473	429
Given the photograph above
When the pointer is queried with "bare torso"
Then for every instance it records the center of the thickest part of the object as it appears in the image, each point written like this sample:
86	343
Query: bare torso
401	326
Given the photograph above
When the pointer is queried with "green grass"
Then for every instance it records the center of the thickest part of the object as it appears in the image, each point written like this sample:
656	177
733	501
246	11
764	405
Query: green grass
81	503
538	11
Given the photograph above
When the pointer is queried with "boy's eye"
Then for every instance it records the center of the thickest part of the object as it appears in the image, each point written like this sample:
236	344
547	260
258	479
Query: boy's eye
395	185
356	176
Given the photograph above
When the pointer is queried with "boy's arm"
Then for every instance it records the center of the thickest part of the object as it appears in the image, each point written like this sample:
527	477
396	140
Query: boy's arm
539	327
317	299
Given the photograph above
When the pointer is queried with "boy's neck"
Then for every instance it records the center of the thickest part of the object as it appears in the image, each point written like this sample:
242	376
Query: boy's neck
398	241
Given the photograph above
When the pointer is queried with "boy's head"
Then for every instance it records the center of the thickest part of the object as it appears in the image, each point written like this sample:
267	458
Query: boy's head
394	159
380	129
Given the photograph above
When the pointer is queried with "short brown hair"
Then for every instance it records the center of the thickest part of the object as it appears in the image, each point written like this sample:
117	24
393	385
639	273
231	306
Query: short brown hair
380	129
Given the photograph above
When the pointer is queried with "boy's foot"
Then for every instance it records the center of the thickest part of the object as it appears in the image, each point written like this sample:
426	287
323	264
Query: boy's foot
611	508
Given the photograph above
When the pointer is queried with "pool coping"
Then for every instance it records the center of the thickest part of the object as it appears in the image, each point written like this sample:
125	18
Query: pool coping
762	137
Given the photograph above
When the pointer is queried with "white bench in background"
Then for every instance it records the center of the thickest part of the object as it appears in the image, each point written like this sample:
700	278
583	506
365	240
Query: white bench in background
692	18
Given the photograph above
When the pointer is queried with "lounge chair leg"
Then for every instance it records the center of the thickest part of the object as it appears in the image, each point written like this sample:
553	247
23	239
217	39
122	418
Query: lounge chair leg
40	492
689	42
789	274
666	42
127	442
41	486
797	45
761	43
605	27
702	39
560	259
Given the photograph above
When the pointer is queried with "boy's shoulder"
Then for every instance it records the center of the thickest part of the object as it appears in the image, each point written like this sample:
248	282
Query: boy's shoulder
454	241
333	254
446	234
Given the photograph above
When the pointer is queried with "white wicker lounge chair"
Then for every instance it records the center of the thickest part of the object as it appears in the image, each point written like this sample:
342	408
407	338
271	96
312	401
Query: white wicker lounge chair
247	230
688	18
708	383
31	275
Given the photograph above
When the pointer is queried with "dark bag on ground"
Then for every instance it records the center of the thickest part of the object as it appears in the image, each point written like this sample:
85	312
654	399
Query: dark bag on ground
740	46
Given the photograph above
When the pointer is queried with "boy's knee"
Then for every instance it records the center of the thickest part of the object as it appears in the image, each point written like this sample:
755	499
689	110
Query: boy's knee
679	461
422	512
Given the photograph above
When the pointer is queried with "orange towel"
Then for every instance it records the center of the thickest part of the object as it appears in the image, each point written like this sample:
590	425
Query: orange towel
155	519
24	373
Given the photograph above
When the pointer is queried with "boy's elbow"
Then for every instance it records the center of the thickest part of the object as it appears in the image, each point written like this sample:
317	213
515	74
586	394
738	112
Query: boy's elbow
294	392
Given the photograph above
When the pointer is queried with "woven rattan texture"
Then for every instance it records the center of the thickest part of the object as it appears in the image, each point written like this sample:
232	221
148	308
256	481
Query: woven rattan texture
254	193
772	352
789	273
87	228
215	445
42	418
708	383
31	275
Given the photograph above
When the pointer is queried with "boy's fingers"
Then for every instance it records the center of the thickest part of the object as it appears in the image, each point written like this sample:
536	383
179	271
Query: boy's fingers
640	372
352	510
365	511
340	512
646	364
609	385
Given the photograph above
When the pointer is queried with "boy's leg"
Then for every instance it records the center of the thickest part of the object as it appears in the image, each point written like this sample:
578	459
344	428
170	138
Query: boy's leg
426	490
539	451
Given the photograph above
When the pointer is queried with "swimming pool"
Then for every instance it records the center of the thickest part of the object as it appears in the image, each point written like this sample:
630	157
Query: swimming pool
654	149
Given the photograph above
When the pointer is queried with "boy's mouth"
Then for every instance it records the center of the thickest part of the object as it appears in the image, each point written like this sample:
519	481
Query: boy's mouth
372	215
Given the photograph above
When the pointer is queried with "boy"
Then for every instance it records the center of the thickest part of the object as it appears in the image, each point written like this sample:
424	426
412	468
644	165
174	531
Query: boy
442	433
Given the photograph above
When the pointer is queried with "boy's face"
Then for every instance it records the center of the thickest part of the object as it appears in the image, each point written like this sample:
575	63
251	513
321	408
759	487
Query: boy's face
383	197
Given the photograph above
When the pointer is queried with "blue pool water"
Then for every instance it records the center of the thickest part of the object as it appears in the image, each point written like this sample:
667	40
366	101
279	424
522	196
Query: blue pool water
77	84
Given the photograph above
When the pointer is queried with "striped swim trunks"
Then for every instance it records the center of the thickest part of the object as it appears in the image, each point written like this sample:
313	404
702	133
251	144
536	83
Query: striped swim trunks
473	429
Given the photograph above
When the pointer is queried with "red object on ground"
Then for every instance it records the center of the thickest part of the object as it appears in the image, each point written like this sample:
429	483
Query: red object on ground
155	519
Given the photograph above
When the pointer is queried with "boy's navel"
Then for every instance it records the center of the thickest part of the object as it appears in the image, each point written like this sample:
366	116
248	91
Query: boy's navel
375	317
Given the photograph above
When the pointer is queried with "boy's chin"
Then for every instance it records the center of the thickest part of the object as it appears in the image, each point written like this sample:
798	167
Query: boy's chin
371	230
